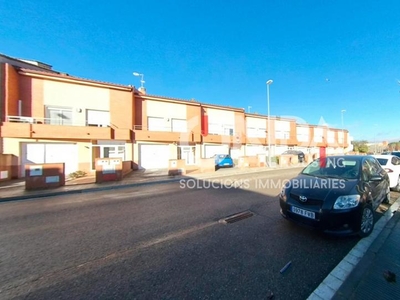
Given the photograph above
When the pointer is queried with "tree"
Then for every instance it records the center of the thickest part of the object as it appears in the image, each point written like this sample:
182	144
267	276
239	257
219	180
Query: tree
360	146
395	146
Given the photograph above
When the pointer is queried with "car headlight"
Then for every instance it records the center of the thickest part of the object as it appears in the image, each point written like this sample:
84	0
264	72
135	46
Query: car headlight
282	195
345	202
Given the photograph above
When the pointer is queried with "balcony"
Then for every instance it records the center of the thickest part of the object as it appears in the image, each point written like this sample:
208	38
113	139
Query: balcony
44	128
165	134
257	140
223	139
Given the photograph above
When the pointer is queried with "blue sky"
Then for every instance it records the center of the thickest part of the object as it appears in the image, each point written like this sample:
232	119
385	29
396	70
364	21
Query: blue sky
323	56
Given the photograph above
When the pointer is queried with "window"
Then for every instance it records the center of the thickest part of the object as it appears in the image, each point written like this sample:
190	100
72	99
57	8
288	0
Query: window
303	134
395	161
97	118
331	136
58	115
256	132
375	167
228	131
214	128
220	129
340	138
156	124
282	135
179	125
282	130
318	135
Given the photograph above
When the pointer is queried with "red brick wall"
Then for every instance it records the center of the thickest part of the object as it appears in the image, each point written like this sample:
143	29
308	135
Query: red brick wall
37	96
138	111
121	109
11	91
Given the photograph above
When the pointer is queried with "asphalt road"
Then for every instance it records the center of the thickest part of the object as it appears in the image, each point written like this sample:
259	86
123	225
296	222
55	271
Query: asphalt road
163	242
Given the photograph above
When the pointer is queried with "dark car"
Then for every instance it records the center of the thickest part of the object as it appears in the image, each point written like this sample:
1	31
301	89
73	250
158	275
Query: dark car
300	154
223	161
396	153
337	194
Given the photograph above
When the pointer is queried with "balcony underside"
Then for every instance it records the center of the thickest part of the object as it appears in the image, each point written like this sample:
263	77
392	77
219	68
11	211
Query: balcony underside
166	136
46	131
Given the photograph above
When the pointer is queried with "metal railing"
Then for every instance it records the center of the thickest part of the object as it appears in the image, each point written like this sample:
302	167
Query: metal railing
50	121
160	128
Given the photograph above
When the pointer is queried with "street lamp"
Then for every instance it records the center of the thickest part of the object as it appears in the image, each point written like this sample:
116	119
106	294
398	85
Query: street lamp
248	109
141	80
342	112
269	82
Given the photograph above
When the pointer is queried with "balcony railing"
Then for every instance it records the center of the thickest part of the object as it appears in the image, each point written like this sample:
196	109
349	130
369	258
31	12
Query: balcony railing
160	128
50	121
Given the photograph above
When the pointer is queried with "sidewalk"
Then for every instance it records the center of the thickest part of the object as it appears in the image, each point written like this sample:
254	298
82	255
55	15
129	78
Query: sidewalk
377	275
369	270
15	189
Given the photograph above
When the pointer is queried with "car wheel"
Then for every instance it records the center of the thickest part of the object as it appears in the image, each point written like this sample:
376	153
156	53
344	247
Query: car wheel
387	197
367	221
397	187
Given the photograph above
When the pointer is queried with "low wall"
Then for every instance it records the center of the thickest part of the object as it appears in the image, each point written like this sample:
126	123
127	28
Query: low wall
176	167
127	167
252	161
179	166
42	176
8	167
287	160
207	165
108	169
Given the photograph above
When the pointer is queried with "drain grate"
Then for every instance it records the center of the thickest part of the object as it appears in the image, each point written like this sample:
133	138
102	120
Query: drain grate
236	217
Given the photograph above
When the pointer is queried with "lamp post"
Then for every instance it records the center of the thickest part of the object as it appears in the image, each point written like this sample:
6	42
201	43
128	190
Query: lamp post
342	112
269	82
141	79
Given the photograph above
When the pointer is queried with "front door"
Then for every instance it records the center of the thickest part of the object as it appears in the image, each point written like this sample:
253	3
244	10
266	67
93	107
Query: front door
187	153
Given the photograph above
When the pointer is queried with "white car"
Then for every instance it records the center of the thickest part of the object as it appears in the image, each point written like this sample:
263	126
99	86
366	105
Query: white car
391	164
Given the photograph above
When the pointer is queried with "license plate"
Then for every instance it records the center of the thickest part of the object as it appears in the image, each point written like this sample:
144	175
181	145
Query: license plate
303	212
226	164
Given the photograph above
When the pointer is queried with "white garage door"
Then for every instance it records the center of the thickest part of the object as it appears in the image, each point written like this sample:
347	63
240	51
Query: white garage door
153	156
254	150
211	150
39	153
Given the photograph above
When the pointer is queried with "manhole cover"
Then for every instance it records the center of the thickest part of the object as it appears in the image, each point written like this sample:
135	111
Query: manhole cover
237	217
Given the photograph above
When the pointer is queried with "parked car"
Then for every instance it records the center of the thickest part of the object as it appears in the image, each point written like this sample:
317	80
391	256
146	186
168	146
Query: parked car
396	153
337	194
223	161
391	164
300	154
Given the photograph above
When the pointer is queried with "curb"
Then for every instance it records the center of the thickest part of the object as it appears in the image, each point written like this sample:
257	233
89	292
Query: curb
331	284
129	185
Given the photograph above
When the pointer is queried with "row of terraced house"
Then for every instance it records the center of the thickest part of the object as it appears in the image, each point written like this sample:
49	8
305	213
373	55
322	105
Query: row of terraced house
49	116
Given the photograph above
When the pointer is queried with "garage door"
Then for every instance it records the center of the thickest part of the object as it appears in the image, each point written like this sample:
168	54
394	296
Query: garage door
211	150
39	153
254	150
153	156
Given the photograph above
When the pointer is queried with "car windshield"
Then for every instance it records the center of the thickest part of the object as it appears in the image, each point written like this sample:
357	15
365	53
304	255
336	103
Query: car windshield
337	167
